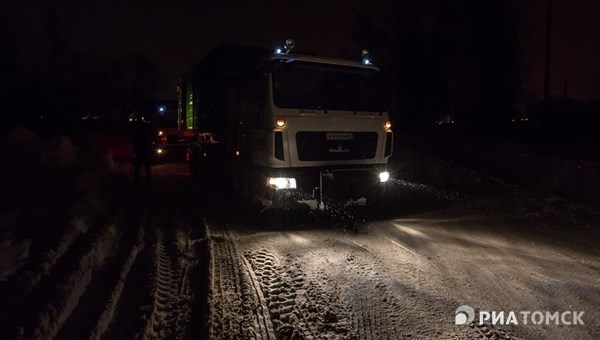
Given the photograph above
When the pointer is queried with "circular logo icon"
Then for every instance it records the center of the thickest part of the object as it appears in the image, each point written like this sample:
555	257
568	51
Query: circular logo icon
464	315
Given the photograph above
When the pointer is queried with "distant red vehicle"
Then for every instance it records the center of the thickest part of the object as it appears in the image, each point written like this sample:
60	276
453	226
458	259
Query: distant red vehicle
169	126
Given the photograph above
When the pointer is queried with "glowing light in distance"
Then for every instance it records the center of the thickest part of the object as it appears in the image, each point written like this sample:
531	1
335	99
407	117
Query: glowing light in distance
388	124
280	122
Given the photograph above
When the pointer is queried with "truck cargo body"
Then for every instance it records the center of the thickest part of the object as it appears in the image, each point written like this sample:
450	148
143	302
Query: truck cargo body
287	125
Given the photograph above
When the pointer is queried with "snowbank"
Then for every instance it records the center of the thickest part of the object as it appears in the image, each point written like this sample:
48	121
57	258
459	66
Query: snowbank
457	162
12	254
22	149
60	190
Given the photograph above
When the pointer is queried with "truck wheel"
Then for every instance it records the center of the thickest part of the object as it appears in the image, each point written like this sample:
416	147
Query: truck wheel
241	174
248	190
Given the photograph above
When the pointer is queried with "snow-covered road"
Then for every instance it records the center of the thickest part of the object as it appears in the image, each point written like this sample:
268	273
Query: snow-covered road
180	259
402	278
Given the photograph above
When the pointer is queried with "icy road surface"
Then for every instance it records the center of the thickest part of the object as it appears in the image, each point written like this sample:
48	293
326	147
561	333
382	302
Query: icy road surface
395	279
402	277
178	259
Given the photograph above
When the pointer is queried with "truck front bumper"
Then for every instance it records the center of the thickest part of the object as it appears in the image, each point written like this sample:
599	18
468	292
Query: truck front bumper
316	185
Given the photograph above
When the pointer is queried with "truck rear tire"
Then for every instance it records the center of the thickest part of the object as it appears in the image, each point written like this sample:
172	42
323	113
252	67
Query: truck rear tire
246	179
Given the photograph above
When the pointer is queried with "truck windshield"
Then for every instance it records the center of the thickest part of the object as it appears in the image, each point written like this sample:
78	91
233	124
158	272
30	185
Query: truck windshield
305	85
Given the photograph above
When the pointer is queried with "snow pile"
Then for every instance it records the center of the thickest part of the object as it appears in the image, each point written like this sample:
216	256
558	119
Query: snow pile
50	178
23	149
13	252
20	141
61	154
433	158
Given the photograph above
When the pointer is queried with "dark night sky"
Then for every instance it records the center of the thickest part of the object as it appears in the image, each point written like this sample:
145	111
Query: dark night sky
575	47
176	34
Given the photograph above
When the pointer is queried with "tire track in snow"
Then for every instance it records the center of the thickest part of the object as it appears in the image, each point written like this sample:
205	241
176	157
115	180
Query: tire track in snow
154	301
298	306
373	311
162	322
74	286
237	309
94	311
106	317
263	322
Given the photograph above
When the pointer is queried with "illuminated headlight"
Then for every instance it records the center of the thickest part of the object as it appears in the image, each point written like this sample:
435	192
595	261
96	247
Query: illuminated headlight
159	151
384	176
281	183
160	133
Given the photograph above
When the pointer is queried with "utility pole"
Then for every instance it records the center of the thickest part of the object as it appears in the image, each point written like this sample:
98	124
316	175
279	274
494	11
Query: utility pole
547	61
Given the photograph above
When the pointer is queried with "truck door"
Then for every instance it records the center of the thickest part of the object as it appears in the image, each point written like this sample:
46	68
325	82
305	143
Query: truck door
253	132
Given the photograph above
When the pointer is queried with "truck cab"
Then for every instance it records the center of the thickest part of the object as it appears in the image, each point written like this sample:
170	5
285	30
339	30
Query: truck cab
303	128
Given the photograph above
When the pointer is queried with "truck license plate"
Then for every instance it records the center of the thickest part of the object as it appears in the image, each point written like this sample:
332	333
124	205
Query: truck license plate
339	136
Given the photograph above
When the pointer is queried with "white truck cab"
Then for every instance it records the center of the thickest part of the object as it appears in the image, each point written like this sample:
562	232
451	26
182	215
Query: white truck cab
307	128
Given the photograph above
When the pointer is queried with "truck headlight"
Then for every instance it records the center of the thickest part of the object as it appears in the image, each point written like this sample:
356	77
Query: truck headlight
384	176
281	183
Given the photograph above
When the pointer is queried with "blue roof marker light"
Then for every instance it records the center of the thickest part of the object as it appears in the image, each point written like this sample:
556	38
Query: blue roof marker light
365	57
287	48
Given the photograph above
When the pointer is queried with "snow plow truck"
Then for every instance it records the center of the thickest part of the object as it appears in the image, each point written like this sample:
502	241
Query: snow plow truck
286	128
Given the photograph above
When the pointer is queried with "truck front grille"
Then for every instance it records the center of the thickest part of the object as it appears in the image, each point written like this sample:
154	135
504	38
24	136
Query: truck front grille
334	146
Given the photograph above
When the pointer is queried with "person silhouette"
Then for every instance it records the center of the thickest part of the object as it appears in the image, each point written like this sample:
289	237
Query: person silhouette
143	135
